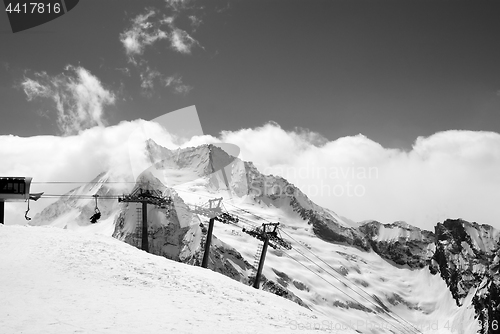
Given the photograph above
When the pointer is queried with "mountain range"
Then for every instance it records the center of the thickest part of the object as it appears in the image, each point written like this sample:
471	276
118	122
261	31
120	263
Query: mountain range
369	277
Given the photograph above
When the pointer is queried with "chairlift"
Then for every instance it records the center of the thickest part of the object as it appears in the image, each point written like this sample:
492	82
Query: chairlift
26	213
97	213
33	197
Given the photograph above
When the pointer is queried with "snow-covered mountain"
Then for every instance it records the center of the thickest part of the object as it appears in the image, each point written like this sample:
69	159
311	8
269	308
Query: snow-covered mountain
385	277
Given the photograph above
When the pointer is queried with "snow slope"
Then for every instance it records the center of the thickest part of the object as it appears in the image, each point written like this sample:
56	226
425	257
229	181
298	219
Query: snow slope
415	295
61	281
331	290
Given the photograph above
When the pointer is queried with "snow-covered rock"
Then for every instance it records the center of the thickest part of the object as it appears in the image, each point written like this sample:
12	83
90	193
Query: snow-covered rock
175	232
467	259
400	242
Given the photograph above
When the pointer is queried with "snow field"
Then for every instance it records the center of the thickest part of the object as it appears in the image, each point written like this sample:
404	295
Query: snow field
61	281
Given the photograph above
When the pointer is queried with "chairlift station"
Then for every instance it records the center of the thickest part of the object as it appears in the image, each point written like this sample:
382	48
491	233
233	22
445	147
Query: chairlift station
13	189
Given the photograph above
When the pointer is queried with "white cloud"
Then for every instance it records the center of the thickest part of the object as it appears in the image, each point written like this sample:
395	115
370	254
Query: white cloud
78	96
448	175
175	81
195	21
124	70
181	41
151	77
148	76
143	32
34	89
183	89
75	158
177	4
150	27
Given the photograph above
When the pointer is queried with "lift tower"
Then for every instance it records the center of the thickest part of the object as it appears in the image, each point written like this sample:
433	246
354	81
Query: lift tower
268	233
213	211
146	196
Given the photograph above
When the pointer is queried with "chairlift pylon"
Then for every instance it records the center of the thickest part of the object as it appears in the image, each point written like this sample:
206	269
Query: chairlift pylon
269	231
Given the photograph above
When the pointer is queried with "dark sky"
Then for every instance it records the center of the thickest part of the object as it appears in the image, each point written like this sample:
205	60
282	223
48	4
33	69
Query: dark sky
391	70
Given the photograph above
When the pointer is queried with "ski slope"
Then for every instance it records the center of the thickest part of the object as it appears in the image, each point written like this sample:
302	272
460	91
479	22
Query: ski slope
417	296
354	290
60	281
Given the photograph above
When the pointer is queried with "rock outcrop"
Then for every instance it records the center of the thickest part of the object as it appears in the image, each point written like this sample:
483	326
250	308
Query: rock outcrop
400	243
467	258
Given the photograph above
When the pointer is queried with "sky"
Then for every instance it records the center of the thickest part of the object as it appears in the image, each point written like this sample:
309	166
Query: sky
410	88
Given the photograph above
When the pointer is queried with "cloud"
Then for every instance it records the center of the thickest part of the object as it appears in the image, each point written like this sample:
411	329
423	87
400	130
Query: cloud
181	41
183	89
148	77
175	81
195	21
151	77
34	89
450	174
79	157
177	5
124	70
151	27
142	33
173	27
78	97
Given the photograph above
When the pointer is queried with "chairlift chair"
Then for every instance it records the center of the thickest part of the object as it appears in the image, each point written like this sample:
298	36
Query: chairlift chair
97	213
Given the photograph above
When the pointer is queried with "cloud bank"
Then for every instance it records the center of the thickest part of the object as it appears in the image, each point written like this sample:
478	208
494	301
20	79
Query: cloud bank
450	174
78	97
73	158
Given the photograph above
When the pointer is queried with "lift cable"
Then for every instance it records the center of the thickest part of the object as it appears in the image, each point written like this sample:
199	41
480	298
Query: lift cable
329	266
262	218
288	235
80	196
328	282
246	220
373	303
307	258
389	313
